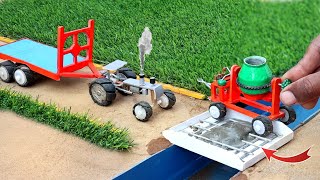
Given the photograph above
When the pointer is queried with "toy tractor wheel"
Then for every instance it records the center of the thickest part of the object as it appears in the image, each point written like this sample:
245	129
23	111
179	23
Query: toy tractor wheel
127	72
262	126
123	74
6	71
167	100
290	114
24	76
102	91
142	111
217	110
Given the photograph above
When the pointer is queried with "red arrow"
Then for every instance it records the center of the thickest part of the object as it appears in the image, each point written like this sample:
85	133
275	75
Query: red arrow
297	158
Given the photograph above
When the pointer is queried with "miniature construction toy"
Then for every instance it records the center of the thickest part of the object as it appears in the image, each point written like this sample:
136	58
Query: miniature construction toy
232	132
27	59
247	85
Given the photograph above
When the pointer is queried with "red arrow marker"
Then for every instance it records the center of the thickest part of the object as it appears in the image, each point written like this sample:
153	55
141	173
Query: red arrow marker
294	159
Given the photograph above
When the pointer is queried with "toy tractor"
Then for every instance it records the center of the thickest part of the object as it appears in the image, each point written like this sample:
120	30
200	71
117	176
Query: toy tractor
123	79
103	90
251	85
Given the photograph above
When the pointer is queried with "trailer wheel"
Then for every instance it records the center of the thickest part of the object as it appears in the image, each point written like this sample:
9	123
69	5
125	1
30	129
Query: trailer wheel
290	114
168	99
262	126
142	111
102	91
123	74
24	76
217	110
6	71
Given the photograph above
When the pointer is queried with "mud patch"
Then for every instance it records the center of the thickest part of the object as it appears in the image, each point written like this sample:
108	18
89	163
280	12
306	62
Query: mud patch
156	145
239	176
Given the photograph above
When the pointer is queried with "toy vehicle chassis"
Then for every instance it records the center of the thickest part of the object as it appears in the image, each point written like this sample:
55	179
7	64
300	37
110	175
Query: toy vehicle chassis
230	96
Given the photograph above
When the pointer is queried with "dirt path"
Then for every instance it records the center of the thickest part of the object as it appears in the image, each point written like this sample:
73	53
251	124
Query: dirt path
30	150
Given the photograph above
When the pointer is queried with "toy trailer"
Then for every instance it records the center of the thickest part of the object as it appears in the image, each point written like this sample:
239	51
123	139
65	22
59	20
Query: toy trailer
26	59
25	56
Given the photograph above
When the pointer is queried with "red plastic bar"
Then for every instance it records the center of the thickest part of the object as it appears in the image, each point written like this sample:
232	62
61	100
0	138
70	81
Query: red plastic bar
75	49
255	104
234	89
241	110
276	89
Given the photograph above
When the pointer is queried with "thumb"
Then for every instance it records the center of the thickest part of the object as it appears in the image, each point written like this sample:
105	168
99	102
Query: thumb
302	91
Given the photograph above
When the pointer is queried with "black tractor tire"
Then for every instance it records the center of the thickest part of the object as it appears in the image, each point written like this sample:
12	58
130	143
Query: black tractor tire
142	111
8	68
102	91
24	76
170	99
290	115
265	124
129	73
217	110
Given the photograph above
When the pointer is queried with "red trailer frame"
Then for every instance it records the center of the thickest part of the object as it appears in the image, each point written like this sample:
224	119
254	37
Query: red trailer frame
74	49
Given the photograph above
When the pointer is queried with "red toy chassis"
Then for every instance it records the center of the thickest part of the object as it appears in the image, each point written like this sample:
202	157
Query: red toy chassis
230	95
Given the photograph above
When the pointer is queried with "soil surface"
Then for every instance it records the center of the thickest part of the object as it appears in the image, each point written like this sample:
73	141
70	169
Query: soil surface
30	150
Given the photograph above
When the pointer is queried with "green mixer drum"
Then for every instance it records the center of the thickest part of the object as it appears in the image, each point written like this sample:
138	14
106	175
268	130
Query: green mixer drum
255	76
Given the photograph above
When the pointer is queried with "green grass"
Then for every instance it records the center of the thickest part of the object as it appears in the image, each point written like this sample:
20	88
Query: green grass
105	135
191	39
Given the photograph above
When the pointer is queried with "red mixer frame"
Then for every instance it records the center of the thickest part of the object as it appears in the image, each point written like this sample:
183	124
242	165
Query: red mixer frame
230	94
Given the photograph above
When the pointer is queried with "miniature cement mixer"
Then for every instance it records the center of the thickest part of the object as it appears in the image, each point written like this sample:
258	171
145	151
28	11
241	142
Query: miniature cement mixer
251	85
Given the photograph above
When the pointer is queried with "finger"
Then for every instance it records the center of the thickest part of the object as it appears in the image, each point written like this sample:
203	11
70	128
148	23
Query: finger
310	104
302	90
308	64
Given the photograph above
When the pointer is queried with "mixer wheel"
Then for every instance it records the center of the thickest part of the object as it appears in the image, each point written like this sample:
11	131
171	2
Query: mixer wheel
217	110
290	115
262	126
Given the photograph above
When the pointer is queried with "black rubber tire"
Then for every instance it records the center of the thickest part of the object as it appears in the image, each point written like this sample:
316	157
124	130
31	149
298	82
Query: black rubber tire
290	112
171	97
221	107
10	67
29	74
148	109
108	88
267	123
128	73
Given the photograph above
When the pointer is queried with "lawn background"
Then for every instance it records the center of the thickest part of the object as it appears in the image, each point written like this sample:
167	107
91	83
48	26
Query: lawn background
191	38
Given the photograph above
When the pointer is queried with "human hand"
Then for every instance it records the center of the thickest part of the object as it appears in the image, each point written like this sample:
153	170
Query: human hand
305	77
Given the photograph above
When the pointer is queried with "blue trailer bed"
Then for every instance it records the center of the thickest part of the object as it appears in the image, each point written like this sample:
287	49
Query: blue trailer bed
37	54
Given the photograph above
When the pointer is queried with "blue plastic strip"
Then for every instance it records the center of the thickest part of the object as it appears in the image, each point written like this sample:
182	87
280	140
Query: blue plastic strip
178	163
171	163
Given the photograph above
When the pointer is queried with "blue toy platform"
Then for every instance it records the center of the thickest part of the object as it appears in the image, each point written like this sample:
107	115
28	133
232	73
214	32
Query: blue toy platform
37	54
